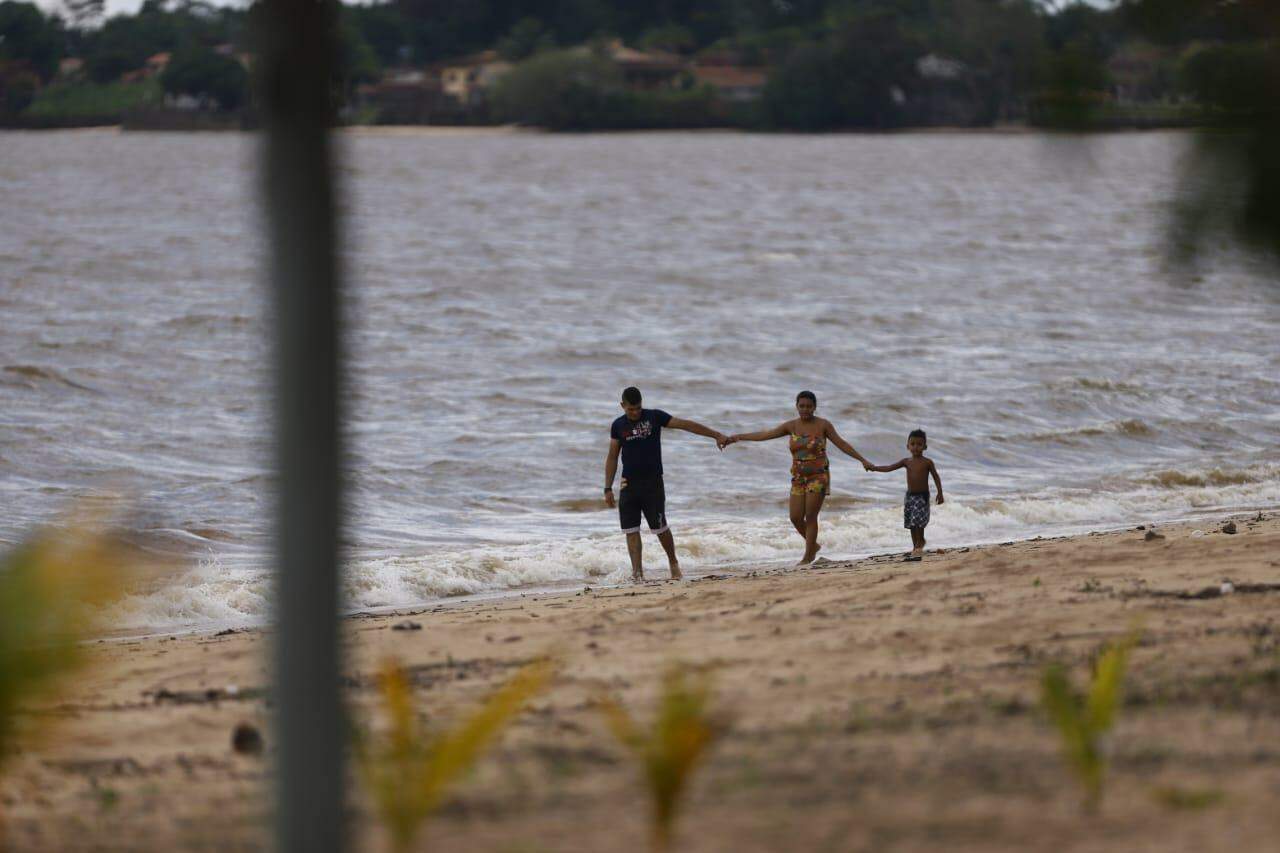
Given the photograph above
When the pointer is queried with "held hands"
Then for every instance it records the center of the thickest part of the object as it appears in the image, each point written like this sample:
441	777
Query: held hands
723	441
867	466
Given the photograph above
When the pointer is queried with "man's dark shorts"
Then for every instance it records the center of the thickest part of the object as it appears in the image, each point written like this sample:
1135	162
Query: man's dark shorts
643	496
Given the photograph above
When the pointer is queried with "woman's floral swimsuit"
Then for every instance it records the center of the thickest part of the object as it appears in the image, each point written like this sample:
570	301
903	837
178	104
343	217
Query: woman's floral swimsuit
810	469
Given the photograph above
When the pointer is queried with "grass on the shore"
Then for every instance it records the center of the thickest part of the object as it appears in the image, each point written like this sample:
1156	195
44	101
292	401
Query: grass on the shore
64	100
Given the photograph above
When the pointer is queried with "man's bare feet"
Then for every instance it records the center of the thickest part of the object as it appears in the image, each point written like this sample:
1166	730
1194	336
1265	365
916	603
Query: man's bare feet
676	574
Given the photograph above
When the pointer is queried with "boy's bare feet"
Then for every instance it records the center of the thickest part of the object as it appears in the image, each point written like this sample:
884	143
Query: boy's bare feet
917	552
676	574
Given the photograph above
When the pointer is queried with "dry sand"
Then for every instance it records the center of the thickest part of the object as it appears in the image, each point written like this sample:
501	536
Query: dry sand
877	705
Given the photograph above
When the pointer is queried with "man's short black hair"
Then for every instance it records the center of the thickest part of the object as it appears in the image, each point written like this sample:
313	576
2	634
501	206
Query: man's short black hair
807	395
918	433
631	396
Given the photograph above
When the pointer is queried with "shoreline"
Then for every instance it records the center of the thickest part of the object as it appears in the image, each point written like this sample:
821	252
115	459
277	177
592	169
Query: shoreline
730	569
875	704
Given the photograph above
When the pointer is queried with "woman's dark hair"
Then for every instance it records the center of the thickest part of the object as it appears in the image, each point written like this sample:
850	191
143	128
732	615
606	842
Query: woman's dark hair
807	395
631	396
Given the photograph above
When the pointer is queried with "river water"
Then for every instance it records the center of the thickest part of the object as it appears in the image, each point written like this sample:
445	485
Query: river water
1008	293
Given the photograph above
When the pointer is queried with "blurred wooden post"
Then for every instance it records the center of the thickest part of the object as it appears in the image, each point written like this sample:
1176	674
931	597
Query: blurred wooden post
310	734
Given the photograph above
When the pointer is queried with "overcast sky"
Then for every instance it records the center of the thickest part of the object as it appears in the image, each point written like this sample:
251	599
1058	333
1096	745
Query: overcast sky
115	7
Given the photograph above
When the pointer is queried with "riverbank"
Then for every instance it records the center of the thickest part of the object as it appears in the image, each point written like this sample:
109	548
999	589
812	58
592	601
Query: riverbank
876	705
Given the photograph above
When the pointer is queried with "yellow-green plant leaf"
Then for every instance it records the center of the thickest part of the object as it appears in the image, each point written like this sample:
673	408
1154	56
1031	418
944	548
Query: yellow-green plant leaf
683	729
456	751
1104	693
409	769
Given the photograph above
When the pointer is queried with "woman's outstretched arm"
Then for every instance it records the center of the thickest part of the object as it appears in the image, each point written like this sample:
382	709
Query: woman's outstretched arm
763	435
846	446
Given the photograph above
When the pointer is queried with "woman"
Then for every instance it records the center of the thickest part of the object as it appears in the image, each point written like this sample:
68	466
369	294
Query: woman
810	469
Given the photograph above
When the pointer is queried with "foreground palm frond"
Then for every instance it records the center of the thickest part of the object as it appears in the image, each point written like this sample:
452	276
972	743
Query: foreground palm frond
1083	719
409	769
671	749
48	585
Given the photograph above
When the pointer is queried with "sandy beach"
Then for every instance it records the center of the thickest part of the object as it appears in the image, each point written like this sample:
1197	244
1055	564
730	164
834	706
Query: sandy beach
875	705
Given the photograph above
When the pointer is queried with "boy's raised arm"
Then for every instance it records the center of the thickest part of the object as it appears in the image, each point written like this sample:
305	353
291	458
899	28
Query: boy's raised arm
937	481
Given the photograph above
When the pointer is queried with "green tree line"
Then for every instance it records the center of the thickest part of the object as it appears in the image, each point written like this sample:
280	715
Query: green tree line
832	63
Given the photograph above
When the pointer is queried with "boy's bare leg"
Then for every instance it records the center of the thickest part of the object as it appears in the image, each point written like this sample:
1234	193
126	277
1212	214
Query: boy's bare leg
917	541
669	545
812	506
633	550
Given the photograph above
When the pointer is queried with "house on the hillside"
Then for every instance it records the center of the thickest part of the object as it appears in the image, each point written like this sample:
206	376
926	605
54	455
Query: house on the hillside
648	70
157	63
70	68
467	80
403	96
734	84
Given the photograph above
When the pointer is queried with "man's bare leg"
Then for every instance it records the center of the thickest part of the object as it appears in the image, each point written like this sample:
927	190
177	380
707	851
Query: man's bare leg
669	545
633	550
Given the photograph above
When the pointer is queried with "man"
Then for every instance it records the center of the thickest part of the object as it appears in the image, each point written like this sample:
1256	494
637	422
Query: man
637	435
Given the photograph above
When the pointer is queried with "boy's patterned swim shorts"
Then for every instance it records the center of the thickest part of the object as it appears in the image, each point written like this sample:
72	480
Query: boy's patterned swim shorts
915	509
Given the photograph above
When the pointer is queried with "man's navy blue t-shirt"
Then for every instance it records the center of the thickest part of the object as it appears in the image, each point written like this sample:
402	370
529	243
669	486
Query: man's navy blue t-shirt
641	443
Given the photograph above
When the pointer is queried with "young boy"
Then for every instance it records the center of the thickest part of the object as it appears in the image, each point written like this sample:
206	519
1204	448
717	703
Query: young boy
915	508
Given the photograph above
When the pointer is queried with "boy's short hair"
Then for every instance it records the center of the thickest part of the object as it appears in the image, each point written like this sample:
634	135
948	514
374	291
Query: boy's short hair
807	395
918	433
631	395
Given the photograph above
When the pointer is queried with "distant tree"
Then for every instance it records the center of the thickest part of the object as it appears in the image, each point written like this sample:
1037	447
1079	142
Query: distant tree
357	62
561	90
29	39
526	38
18	88
1234	79
671	38
861	75
385	30
203	74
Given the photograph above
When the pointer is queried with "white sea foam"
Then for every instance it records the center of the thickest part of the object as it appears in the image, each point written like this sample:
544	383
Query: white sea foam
215	594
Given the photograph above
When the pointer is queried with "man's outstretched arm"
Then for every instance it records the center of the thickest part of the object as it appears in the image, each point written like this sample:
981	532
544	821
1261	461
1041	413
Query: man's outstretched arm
697	429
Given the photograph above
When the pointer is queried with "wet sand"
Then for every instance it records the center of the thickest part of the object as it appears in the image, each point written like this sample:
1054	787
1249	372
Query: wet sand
876	705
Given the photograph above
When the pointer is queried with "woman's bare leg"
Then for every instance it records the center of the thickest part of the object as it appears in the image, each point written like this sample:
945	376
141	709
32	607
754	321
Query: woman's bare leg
812	506
797	514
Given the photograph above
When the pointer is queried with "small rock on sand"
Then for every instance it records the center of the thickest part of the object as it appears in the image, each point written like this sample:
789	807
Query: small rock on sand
1151	534
407	625
1229	527
246	739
